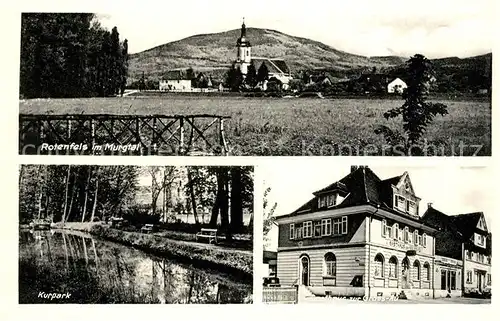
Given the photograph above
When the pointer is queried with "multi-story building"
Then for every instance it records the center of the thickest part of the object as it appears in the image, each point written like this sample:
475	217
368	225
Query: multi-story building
360	236
463	238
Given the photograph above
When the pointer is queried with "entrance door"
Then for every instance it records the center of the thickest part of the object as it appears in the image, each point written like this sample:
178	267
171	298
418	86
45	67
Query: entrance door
304	270
480	281
405	271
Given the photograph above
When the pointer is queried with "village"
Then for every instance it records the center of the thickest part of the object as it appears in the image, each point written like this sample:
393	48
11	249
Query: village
251	74
362	237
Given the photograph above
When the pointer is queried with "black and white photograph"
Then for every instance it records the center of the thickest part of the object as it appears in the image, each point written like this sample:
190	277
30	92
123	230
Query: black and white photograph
135	234
378	234
367	78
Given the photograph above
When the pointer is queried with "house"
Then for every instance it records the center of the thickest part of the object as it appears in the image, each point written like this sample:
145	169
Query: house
371	83
277	68
360	236
175	80
396	86
464	238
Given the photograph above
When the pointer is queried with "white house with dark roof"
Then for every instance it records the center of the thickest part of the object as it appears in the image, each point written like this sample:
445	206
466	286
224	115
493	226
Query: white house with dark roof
277	68
175	80
360	236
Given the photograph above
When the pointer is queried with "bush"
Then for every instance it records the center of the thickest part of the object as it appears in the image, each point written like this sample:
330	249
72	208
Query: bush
139	215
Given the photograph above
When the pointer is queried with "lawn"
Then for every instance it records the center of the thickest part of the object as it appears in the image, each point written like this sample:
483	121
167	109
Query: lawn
298	126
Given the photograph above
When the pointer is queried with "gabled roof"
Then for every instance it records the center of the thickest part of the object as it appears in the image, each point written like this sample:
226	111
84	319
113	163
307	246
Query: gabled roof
274	66
363	187
466	223
178	74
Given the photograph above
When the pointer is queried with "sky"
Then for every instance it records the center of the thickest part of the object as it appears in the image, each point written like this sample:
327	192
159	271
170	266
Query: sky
370	28
451	189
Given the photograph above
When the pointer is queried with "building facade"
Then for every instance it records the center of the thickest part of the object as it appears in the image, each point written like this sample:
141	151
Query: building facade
360	236
464	238
397	86
175	80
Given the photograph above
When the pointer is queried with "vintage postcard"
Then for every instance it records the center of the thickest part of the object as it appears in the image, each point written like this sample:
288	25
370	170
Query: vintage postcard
384	234
135	234
252	84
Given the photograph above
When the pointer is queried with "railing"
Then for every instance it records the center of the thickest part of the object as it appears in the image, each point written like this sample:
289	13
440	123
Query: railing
280	295
107	134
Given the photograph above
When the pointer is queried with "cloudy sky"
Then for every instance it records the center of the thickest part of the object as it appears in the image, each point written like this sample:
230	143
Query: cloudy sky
366	27
452	189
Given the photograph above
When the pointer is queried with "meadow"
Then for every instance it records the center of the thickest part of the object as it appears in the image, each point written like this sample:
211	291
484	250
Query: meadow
299	126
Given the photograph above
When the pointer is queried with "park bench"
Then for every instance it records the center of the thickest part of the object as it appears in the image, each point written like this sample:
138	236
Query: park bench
207	233
147	228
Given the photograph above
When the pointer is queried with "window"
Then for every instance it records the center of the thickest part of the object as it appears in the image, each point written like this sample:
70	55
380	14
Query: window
321	201
400	202
298	233
317	229
331	200
384	228
344	224
406	234
427	271
416	270
488	259
424	240
330	265
469	277
488	279
379	265
415	236
453	280
337	225
480	240
326	227
419	239
444	278
307	226
393	266
481	258
468	255
292	231
395	228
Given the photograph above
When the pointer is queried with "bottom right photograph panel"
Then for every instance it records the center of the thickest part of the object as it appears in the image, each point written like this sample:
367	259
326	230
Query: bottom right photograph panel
377	234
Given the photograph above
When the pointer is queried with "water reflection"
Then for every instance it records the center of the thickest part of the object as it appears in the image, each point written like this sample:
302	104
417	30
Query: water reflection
96	271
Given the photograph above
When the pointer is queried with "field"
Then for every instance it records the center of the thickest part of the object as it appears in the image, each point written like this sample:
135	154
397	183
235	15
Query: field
299	126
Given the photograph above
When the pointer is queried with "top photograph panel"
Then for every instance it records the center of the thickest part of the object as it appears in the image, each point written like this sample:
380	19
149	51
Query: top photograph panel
389	81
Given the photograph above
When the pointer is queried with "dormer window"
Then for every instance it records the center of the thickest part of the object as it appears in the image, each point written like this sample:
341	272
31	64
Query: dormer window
480	240
400	202
411	207
329	200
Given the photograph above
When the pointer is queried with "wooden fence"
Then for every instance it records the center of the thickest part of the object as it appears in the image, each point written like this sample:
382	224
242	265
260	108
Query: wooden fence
280	295
107	134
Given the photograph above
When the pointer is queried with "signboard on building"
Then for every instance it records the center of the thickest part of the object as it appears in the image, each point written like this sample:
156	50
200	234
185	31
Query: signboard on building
447	260
401	245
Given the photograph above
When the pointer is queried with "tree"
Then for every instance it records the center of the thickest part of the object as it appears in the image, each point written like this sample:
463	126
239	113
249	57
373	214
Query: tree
263	73
251	79
269	218
417	112
234	78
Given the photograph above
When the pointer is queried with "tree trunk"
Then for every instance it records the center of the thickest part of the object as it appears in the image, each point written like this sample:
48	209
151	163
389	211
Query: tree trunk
218	200
66	194
73	190
86	194
95	196
193	197
236	200
224	205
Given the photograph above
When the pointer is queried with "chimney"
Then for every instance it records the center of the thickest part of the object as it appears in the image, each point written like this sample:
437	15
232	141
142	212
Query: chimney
429	205
353	168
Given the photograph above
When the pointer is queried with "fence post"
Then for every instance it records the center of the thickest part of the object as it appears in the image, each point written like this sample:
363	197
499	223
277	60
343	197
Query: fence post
181	140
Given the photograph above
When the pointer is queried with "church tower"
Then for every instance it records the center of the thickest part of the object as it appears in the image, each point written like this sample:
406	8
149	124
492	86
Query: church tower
243	55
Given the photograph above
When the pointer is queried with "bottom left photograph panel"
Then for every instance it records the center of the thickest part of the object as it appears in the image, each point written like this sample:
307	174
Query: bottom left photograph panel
135	234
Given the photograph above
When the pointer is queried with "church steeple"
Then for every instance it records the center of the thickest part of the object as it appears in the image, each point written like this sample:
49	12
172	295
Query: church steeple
242	40
243	29
243	54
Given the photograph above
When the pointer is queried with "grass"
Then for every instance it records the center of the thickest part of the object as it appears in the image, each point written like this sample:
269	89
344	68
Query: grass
297	127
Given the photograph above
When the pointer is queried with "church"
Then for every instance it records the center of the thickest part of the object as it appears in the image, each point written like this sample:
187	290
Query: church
277	67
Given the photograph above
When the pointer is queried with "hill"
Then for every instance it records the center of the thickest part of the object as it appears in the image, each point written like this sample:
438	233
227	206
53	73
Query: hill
216	52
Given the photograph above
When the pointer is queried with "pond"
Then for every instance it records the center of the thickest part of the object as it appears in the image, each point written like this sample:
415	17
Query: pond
72	267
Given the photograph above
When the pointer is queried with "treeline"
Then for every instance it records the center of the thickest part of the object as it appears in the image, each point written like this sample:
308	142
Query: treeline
74	193
70	55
